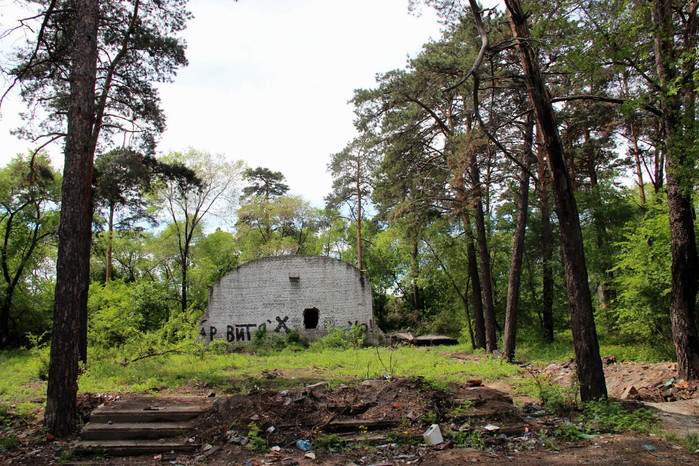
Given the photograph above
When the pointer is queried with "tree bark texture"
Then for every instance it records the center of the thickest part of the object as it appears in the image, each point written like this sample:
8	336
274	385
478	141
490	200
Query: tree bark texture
359	216
546	245
478	319
589	364
679	127
417	308
491	343
75	228
513	285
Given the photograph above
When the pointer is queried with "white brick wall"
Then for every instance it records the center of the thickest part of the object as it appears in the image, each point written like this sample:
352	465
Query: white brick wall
276	290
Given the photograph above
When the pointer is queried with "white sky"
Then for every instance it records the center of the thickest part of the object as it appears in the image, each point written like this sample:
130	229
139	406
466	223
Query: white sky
268	80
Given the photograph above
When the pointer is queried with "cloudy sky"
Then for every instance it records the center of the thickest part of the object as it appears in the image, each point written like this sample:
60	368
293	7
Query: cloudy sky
269	80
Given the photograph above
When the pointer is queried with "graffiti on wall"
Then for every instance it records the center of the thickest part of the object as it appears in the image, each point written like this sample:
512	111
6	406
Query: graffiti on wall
243	332
237	332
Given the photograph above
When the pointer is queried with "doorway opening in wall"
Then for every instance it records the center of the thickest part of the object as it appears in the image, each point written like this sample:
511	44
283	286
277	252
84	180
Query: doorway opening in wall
310	318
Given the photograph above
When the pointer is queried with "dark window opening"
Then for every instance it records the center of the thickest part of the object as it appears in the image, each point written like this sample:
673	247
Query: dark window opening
310	318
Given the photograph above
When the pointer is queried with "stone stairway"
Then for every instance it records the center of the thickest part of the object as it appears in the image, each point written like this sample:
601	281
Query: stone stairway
143	425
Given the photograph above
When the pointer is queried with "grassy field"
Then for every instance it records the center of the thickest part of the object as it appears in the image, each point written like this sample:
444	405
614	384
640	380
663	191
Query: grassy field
24	371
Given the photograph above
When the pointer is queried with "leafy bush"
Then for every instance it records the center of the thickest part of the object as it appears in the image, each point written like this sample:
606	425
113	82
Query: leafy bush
553	397
219	347
113	320
340	338
643	276
261	340
259	336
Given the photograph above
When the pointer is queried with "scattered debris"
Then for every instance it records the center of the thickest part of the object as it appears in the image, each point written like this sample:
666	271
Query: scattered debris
433	435
383	422
406	337
303	445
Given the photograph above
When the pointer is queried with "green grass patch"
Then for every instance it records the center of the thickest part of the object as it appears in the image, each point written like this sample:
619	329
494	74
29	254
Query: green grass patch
613	417
22	373
242	371
561	350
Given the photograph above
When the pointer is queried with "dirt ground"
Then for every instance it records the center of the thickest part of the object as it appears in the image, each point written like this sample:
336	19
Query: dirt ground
383	421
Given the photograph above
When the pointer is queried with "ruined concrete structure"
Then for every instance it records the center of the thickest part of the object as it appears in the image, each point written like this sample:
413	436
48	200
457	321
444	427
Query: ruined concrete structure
306	293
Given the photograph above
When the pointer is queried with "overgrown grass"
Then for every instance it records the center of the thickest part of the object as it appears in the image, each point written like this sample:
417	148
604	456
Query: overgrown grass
24	371
244	371
541	353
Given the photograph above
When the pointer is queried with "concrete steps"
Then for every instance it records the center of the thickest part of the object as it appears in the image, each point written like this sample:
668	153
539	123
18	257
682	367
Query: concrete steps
143	425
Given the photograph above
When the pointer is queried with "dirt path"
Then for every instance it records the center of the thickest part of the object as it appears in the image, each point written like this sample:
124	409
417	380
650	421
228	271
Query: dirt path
679	417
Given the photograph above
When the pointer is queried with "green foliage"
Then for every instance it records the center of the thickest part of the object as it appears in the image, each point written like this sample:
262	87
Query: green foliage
264	182
612	417
219	347
255	442
553	397
327	442
428	418
213	256
340	338
470	439
277	226
113	320
259	336
9	441
29	194
567	431
263	340
461	412
689	442
134	53
643	276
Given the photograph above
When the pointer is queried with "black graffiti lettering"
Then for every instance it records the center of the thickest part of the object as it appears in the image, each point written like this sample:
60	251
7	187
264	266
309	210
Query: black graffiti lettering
282	324
236	332
247	330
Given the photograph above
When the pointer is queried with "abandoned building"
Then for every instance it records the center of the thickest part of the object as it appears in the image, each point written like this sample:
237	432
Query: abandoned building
309	294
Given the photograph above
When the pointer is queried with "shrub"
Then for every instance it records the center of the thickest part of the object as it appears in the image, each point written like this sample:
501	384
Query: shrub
113	319
339	338
612	417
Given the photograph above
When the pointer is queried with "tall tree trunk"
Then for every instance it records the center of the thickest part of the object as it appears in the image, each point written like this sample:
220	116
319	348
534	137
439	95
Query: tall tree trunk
509	340
75	230
605	290
546	244
415	272
359	217
185	268
589	363
468	317
476	294
631	125
491	343
679	135
110	240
